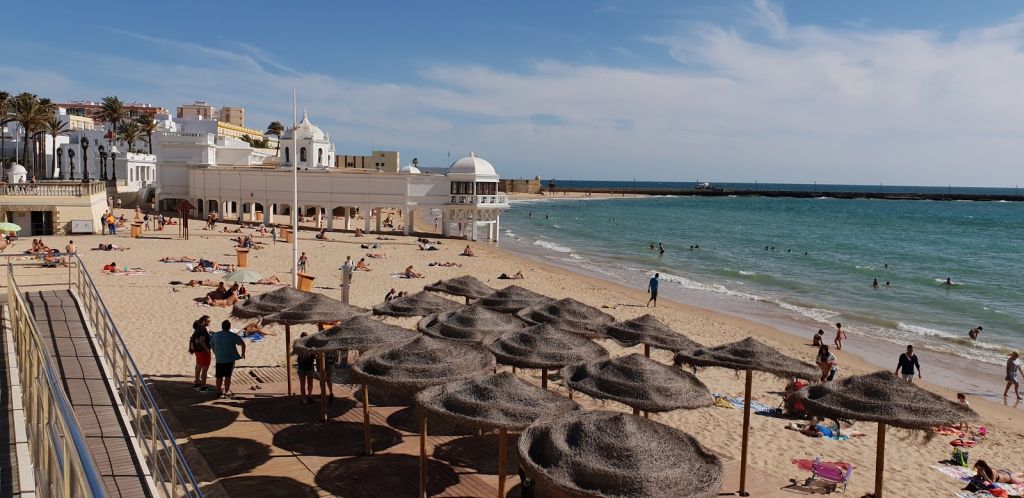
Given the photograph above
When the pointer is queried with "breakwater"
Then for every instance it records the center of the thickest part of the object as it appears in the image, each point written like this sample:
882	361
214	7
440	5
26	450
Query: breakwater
799	194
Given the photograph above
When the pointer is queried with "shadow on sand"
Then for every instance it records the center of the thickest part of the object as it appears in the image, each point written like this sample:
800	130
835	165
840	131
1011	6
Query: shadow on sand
333	438
383	475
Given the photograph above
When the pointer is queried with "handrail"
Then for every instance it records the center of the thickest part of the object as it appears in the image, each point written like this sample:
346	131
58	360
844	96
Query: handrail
170	472
57	447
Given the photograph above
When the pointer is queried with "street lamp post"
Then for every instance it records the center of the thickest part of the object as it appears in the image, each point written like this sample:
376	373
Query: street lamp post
71	163
113	166
60	164
103	162
85	159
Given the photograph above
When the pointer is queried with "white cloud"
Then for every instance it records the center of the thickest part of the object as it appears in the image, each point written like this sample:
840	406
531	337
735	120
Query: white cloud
776	102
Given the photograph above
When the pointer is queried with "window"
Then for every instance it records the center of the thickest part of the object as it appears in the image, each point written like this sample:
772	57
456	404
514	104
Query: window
287	158
302	154
319	157
462	188
486	188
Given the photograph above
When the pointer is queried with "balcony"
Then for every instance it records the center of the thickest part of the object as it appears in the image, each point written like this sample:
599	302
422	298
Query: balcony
499	199
54	189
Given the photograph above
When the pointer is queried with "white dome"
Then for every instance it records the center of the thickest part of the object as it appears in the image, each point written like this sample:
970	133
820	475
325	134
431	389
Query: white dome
306	130
409	169
472	165
17	169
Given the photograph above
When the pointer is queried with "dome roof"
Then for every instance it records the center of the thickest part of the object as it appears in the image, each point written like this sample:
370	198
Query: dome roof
17	169
409	169
306	130
472	165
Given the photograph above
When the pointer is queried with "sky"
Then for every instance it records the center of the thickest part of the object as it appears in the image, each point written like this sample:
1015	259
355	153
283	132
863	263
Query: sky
913	92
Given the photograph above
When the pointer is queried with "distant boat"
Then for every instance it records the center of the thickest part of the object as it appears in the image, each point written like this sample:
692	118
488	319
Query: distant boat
705	186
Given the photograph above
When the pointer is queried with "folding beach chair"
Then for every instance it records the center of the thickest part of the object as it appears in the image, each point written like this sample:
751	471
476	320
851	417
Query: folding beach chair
835	474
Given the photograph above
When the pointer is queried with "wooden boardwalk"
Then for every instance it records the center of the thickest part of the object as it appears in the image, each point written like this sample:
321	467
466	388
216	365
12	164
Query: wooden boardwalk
9	477
67	340
263	443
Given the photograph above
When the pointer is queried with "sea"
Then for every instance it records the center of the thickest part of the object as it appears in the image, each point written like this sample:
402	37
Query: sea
804	264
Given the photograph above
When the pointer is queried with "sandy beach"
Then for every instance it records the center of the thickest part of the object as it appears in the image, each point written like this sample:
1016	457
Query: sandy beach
155	316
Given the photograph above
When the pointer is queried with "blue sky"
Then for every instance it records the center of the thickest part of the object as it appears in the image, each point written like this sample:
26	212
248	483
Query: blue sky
912	92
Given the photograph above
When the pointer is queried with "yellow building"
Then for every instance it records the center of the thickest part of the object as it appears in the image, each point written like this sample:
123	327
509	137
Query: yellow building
233	115
225	129
383	160
80	123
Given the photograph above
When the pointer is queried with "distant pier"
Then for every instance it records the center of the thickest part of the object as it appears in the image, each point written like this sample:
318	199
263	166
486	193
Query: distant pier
799	194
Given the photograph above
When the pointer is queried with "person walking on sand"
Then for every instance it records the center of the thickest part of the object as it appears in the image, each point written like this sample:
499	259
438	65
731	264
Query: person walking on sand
1012	369
908	361
652	288
840	336
224	348
303	259
200	345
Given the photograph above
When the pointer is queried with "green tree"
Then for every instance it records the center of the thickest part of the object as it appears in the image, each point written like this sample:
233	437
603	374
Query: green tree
277	129
112	112
130	132
30	113
55	127
5	103
148	126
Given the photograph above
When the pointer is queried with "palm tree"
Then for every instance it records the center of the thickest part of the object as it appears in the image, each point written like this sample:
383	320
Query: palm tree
147	125
277	129
5	102
112	112
55	127
129	132
30	113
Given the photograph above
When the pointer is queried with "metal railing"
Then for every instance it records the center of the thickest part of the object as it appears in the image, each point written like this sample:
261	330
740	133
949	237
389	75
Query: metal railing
499	198
60	457
171	474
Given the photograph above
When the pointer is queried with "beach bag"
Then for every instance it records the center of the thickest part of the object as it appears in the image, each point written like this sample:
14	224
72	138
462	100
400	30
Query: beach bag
960	457
191	348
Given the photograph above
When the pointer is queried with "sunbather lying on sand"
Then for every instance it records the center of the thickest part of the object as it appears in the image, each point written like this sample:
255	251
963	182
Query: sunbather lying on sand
179	259
203	283
517	276
376	255
272	280
814	428
446	264
110	247
1002	475
221	297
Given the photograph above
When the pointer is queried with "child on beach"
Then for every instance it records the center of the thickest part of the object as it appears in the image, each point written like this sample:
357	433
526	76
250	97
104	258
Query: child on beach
840	336
819	338
1012	369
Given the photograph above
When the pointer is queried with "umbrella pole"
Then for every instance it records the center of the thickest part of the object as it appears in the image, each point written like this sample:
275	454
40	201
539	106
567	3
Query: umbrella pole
323	386
647	350
502	450
367	441
288	356
423	457
879	460
636	411
746	434
544	378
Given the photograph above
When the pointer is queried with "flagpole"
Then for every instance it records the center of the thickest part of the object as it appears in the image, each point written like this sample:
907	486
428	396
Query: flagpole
295	193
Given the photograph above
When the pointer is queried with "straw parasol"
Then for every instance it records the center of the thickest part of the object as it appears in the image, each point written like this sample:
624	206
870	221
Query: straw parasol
650	332
359	333
544	347
501	401
512	299
640	383
318	308
613	454
419	304
883	398
748	355
466	286
267	303
470	324
569	315
420	363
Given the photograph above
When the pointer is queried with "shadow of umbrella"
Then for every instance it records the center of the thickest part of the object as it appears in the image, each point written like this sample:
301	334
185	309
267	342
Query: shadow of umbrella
189	416
288	410
406	420
383	475
477	453
228	456
333	439
263	486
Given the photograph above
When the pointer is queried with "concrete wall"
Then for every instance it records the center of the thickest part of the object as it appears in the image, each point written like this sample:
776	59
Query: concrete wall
65	208
520	186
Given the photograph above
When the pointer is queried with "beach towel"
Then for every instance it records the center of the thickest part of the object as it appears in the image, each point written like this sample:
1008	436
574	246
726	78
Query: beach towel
737	402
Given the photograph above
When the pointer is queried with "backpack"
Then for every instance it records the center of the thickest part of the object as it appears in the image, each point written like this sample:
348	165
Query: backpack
959	457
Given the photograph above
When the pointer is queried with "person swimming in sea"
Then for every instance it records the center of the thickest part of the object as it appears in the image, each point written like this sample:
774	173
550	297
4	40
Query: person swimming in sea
874	284
661	248
651	246
948	281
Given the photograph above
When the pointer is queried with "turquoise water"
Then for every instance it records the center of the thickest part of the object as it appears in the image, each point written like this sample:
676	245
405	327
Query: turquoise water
914	245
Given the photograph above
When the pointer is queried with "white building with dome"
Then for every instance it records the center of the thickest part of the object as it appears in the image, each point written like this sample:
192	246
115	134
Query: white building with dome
314	146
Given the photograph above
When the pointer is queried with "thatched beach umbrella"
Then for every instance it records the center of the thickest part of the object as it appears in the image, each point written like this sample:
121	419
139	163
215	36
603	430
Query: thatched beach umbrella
886	399
501	401
512	299
268	303
614	454
748	355
569	315
466	286
418	364
318	308
470	324
544	347
638	382
419	304
650	332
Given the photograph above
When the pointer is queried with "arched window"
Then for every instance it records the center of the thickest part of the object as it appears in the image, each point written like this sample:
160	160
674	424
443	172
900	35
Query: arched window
287	157
302	154
319	157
